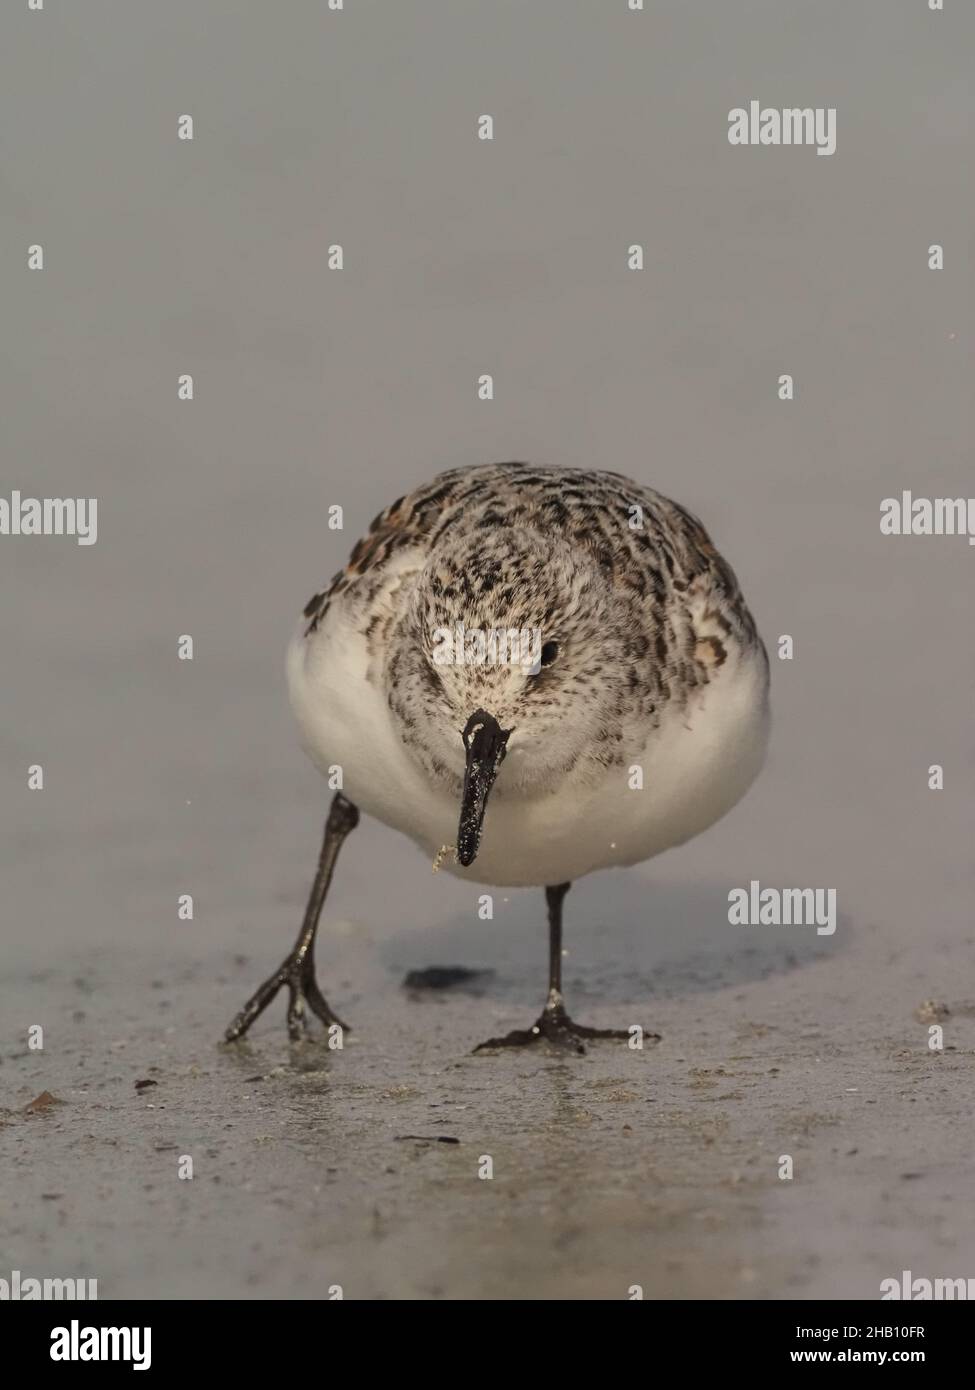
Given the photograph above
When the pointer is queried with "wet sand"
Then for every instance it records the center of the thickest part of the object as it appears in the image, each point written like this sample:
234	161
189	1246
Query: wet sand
657	1168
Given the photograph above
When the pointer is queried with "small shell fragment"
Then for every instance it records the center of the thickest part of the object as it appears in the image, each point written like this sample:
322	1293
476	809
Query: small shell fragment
932	1011
440	855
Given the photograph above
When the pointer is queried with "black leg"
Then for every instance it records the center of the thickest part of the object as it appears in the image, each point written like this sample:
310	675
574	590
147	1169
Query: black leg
554	898
554	1025
297	971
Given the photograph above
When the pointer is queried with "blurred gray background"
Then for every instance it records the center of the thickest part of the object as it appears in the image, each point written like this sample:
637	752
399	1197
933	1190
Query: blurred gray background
312	388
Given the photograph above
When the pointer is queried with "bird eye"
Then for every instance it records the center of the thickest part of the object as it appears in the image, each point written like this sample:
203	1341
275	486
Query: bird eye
548	653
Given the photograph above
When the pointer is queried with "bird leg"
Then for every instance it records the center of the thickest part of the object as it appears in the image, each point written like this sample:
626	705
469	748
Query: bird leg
297	971
554	1024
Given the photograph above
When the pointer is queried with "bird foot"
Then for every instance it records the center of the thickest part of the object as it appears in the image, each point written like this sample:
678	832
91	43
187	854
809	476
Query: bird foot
556	1027
297	975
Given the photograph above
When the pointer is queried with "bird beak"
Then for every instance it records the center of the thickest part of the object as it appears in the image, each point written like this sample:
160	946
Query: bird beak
486	743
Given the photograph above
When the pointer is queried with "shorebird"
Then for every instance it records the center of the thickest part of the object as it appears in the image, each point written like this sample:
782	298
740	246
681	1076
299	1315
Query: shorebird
633	715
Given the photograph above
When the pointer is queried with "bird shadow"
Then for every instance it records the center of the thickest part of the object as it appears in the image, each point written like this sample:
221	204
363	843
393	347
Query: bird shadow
623	934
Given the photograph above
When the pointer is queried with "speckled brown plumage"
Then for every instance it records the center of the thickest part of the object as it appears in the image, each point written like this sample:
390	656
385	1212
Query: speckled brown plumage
683	595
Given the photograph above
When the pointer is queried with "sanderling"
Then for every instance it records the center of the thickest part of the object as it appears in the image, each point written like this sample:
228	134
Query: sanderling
623	710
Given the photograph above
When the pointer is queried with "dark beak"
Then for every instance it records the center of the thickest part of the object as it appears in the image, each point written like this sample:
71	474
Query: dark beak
486	743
